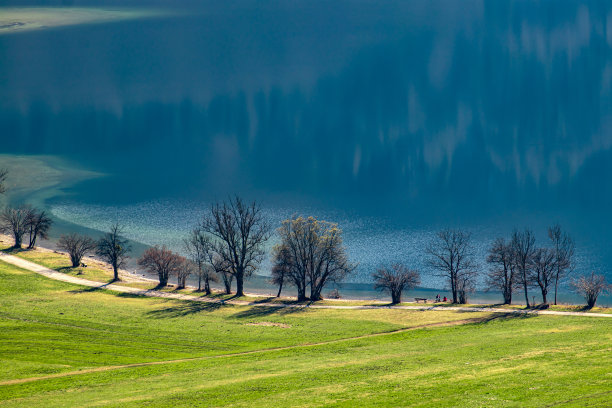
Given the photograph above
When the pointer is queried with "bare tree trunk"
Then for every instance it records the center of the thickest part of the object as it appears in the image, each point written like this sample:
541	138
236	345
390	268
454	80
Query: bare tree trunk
396	297
239	284
301	293
454	287
507	297
280	288
115	273
313	291
525	287
18	240
32	238
556	284
227	282
32	242
316	296
207	286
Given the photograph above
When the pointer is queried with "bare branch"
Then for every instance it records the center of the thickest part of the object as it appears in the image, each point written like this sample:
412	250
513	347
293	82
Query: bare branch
114	249
163	263
16	222
239	231
451	256
395	280
77	246
591	287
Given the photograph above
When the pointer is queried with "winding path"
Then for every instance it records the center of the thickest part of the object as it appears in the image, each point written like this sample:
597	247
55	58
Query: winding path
49	273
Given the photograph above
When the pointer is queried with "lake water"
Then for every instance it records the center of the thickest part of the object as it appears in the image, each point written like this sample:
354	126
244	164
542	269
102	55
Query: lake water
394	119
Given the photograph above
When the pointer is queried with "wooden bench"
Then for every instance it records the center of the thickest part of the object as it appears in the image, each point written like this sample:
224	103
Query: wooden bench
421	299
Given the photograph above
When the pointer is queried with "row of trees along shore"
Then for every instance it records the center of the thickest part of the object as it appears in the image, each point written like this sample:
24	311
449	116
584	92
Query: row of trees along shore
228	245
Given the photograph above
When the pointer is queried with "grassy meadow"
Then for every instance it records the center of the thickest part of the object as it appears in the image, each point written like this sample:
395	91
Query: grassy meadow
86	347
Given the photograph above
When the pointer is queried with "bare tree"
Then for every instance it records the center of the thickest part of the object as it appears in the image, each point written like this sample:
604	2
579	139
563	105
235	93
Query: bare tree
296	247
163	262
200	249
543	270
502	274
77	246
114	249
523	248
14	221
281	267
591	287
563	245
466	284
3	176
219	267
39	224
316	254
451	255
240	230
395	280
227	279
185	269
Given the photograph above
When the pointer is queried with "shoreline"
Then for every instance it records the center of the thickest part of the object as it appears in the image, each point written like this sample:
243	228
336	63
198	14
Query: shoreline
136	277
51	274
61	173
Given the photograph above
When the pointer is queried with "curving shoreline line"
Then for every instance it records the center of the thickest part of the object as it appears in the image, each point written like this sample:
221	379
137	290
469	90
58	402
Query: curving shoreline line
49	273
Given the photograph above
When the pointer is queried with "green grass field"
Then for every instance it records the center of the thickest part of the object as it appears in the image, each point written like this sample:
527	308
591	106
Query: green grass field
85	347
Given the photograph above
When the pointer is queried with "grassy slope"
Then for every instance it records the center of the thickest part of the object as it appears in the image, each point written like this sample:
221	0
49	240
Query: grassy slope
51	327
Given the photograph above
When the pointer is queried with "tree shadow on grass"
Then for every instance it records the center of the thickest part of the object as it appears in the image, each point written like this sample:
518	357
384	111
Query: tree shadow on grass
443	305
15	250
284	302
68	269
260	311
102	286
185	308
501	316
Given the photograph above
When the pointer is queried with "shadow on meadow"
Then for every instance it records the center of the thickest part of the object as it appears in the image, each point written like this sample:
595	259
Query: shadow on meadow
185	309
500	317
262	311
102	286
189	307
13	251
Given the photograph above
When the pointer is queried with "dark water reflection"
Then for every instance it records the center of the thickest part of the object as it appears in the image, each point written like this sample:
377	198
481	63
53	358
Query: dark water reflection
449	110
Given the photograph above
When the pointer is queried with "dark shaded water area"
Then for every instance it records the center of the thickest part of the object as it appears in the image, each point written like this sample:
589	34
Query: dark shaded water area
393	118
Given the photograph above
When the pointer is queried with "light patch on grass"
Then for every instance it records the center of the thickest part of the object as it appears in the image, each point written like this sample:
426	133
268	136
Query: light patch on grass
562	329
269	324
